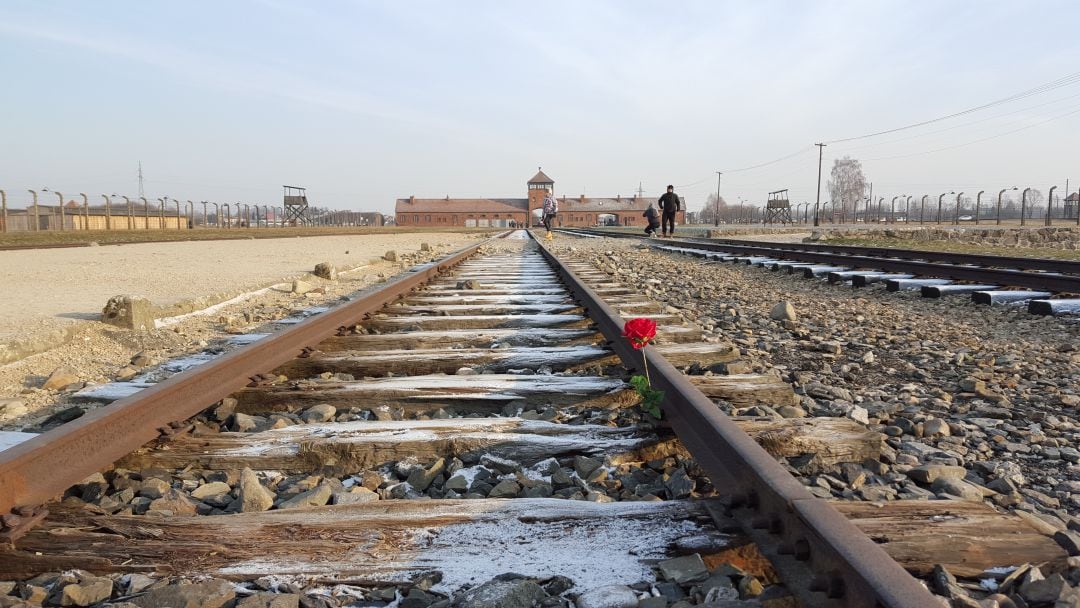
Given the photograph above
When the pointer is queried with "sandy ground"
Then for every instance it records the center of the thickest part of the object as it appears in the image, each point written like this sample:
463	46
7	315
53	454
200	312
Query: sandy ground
42	289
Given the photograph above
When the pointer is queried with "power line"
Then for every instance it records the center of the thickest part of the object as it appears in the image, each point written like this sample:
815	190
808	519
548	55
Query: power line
771	162
1049	86
1024	128
961	125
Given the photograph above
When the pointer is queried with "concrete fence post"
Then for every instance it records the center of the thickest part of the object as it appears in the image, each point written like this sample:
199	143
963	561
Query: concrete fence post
37	223
86	210
1023	206
130	213
161	212
3	211
108	211
146	212
228	215
1050	206
63	223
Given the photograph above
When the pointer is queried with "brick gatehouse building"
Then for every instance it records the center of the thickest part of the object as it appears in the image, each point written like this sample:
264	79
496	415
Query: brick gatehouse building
581	211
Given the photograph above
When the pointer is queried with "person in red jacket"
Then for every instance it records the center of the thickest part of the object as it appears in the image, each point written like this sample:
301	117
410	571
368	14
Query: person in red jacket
669	204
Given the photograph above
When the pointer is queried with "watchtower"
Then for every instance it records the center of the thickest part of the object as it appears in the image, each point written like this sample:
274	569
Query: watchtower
537	185
296	206
778	208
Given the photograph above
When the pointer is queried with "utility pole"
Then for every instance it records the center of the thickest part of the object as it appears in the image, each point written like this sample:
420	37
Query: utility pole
817	204
141	193
640	190
716	204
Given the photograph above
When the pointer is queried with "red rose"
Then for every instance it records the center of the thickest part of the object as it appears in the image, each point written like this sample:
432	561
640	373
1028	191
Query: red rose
639	332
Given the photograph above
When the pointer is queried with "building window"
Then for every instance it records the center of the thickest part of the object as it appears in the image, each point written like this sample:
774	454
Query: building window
416	219
427	218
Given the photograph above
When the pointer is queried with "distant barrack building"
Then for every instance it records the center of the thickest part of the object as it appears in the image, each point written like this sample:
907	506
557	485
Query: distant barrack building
581	211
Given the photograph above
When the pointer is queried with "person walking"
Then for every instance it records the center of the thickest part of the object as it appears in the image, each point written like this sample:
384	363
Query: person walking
551	209
652	219
669	204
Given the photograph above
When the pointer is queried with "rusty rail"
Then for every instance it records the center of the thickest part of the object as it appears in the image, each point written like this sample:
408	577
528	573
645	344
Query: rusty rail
41	468
815	547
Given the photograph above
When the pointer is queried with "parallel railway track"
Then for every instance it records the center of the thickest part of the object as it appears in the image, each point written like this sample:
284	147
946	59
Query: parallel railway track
1047	286
482	400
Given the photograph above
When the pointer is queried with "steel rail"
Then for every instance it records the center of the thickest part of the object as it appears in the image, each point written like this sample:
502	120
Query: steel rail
995	261
37	470
807	535
987	260
1042	281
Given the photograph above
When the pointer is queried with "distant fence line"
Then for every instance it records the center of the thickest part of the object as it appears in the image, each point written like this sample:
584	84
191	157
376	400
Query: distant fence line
169	214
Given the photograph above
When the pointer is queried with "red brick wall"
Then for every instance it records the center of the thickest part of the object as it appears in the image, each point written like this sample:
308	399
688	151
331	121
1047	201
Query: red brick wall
454	220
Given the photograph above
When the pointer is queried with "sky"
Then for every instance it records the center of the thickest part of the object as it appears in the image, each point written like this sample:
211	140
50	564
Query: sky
365	102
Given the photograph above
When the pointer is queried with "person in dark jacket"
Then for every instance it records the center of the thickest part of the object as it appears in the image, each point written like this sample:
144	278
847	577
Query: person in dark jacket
669	204
652	218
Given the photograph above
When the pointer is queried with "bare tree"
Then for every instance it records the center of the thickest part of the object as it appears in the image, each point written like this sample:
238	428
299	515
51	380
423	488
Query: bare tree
1035	199
708	213
847	184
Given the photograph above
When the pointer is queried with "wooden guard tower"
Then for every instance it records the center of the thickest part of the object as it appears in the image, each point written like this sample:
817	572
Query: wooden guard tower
778	208
296	206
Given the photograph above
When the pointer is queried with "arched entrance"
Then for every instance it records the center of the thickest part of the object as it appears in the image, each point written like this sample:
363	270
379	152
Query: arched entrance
607	219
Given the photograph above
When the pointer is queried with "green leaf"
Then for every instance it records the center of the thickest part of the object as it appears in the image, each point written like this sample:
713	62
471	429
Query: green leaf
650	397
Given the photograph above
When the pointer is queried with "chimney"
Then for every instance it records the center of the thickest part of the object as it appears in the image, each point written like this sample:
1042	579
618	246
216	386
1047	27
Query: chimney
618	197
412	200
583	199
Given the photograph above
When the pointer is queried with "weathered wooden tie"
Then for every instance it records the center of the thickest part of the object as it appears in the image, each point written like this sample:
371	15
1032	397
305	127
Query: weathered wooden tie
468	541
479	393
967	538
743	390
444	361
351	447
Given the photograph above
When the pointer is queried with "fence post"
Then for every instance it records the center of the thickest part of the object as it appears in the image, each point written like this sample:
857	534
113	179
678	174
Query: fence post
1050	206
130	213
108	211
3	211
86	210
63	225
228	215
37	223
146	212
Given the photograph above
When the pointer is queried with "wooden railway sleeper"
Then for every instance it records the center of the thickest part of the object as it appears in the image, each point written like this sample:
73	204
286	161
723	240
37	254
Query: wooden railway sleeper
21	520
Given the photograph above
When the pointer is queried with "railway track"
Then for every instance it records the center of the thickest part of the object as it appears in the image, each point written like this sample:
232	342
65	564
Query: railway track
464	435
1046	286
